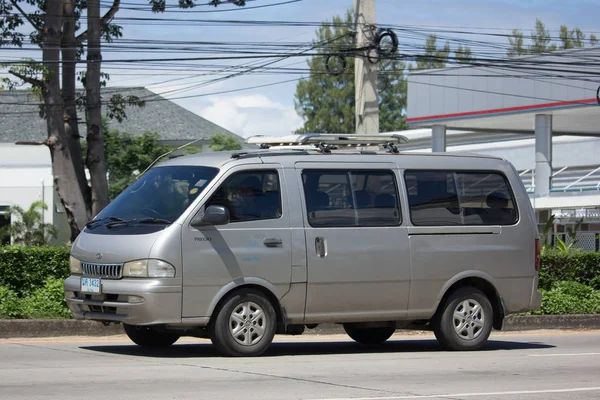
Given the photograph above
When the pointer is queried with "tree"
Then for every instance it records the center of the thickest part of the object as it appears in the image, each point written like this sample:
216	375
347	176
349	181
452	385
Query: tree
463	55
435	57
127	156
541	40
221	142
517	47
55	24
27	226
326	101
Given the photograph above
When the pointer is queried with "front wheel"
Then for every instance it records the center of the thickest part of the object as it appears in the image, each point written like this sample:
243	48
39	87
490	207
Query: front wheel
244	325
369	335
147	337
465	321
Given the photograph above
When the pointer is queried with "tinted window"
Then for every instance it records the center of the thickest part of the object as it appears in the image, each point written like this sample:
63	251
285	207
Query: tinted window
447	198
250	195
351	198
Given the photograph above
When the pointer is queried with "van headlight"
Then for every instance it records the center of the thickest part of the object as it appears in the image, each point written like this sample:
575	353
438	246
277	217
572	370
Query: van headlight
148	269
74	266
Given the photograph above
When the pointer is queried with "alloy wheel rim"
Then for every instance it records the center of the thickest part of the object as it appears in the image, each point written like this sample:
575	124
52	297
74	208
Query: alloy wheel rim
468	319
247	323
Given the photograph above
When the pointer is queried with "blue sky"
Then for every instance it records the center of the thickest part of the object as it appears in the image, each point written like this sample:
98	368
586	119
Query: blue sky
270	110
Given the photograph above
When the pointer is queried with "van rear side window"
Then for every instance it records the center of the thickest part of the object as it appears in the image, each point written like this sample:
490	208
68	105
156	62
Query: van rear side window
337	198
451	198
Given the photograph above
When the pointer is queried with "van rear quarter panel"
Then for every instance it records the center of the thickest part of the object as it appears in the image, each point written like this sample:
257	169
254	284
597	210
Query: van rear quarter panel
506	258
438	261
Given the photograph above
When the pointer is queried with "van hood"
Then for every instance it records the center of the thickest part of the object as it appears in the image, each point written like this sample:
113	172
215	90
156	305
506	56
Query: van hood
113	249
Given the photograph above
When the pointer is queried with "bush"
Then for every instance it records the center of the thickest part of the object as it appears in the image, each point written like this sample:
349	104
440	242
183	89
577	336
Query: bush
576	266
47	302
566	297
10	304
24	269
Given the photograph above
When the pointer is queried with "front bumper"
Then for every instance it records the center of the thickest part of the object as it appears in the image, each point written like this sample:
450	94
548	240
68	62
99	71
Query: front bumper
156	301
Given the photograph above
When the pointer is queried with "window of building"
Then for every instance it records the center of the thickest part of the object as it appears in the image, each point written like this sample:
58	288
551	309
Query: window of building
450	198
4	222
351	198
250	195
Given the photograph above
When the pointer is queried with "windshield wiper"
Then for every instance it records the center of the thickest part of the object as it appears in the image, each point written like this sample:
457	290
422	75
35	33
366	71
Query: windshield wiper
154	221
94	223
139	221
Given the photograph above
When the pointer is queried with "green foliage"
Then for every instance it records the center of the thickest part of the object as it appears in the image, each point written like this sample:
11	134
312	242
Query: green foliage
565	297
46	302
581	267
220	142
10	304
434	57
24	269
127	156
541	40
326	101
27	226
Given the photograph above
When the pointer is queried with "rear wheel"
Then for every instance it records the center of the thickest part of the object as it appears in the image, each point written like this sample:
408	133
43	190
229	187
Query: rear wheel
147	337
245	324
369	335
465	321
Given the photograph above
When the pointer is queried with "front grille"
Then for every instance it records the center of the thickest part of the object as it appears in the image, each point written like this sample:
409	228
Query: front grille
107	271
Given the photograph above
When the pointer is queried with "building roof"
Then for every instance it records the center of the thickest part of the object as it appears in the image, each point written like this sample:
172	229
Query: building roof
506	95
19	118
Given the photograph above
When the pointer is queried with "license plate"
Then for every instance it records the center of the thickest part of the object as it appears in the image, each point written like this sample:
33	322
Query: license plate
90	285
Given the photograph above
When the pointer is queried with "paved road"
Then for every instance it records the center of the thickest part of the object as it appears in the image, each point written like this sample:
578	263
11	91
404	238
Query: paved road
515	366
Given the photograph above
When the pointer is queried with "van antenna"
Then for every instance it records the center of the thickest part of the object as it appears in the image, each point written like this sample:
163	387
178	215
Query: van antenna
166	154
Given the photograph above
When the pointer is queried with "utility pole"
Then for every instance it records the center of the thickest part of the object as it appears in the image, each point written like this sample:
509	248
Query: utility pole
365	72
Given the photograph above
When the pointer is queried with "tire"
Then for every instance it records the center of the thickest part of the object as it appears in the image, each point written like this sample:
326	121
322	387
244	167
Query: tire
369	336
147	337
237	331
472	329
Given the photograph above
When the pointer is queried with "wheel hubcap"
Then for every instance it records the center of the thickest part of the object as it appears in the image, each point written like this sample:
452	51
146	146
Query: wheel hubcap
247	323
468	319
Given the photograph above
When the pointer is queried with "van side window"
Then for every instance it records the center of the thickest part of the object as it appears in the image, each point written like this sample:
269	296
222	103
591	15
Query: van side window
337	198
250	195
450	198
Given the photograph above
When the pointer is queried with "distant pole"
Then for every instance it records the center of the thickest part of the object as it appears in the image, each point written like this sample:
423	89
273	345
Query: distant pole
365	72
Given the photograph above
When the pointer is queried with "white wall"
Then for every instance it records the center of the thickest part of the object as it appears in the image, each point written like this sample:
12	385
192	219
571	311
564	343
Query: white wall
25	177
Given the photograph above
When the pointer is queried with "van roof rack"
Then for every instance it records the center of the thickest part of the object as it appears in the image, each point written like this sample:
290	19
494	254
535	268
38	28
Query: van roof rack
326	142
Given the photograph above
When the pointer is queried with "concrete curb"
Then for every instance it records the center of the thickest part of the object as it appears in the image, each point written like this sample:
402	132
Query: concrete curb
26	328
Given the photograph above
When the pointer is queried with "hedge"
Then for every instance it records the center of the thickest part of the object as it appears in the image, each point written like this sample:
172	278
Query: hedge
31	282
24	269
576	266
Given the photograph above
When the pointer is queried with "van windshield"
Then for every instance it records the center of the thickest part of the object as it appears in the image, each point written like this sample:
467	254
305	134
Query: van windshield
160	196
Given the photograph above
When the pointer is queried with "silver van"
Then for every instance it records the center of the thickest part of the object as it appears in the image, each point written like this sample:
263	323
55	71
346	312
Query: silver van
345	229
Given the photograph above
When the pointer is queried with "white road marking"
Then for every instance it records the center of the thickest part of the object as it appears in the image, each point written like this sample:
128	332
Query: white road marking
564	355
433	396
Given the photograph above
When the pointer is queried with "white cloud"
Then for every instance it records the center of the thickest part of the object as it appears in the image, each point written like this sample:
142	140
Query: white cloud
248	115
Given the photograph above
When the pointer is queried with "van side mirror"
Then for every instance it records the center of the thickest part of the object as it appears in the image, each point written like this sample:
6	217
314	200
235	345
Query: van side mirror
214	215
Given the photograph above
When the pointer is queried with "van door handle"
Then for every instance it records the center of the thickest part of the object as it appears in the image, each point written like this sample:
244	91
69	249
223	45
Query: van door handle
272	242
321	246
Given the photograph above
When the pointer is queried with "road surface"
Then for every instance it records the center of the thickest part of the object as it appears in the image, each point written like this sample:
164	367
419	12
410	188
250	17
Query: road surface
546	365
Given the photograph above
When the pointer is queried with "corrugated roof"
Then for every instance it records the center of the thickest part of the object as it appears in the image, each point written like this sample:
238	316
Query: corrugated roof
21	121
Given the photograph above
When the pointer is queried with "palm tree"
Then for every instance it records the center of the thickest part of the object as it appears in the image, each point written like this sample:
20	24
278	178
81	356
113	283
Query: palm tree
27	226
